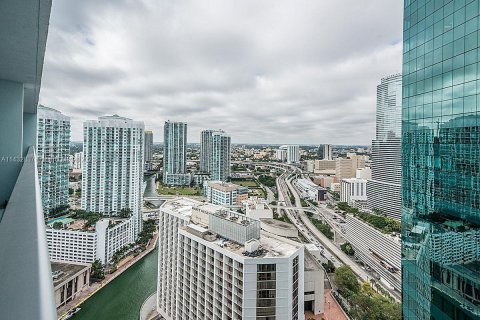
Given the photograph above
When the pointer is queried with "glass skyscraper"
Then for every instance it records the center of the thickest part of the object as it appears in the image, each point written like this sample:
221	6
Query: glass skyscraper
383	190
441	160
175	154
53	148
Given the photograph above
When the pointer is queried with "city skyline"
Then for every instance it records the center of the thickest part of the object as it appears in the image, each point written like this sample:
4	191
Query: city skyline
228	60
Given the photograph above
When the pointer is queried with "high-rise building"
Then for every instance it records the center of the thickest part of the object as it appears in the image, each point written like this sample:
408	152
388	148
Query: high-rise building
206	150
215	264
325	152
53	149
220	161
175	154
112	174
148	149
215	154
293	154
384	188
281	154
441	160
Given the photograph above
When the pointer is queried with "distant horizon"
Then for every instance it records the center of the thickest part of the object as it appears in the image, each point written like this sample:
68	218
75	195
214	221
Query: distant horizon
270	144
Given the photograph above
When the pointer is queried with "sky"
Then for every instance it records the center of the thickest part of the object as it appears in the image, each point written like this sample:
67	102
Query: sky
265	71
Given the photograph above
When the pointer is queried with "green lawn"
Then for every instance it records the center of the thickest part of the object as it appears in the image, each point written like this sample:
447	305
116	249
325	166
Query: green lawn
183	191
245	183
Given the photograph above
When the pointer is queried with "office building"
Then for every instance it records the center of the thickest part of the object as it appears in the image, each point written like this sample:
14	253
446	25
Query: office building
148	150
293	154
175	154
69	279
25	276
325	152
113	166
347	168
215	263
384	188
53	149
224	193
440	161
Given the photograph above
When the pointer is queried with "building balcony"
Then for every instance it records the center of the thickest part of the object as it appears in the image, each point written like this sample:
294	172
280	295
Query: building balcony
25	274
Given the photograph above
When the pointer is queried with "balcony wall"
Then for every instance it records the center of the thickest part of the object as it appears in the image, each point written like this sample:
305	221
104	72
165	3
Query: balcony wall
25	274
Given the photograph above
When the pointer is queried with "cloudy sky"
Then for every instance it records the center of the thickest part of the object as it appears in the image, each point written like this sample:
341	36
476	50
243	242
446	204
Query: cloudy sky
302	71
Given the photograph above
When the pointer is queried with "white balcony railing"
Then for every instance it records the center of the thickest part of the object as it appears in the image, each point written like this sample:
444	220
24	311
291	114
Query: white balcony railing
25	276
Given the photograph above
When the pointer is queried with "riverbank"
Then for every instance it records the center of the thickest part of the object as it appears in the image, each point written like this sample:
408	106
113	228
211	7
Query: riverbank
95	287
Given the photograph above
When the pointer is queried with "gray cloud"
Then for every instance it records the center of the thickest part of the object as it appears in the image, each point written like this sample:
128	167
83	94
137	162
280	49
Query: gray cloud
264	71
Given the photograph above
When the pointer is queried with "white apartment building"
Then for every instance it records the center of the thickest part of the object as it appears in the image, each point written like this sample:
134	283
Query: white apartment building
224	193
364	173
311	191
352	190
72	246
293	154
380	251
87	246
281	154
215	264
53	148
113	166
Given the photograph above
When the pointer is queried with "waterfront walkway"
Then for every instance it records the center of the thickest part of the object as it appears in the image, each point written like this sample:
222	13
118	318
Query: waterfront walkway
82	296
148	311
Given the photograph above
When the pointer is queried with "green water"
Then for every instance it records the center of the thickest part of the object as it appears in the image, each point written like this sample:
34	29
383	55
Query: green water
122	298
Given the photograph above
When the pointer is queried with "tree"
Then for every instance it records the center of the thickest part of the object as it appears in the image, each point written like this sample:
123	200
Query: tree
329	266
97	270
57	225
70	191
125	213
346	281
347	248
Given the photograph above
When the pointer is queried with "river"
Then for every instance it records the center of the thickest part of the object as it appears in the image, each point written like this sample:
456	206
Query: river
122	298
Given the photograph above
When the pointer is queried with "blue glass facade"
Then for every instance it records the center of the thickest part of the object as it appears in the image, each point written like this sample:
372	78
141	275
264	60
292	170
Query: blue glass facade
441	160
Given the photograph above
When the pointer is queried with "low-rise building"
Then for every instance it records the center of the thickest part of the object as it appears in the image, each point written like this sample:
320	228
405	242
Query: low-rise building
224	193
257	209
311	191
69	279
72	244
335	187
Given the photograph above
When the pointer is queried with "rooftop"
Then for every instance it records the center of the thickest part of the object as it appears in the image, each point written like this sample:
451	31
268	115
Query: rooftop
62	271
180	206
271	247
223	186
310	263
278	224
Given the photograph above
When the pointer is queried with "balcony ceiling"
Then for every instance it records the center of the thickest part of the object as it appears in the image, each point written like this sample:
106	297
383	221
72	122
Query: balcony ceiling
23	37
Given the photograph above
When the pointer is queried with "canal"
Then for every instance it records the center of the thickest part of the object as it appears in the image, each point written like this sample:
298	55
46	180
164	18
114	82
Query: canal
122	298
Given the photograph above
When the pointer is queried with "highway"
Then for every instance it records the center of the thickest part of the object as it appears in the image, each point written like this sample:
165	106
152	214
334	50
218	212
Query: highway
344	258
